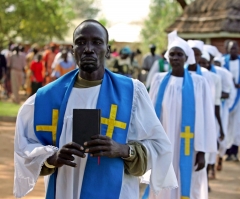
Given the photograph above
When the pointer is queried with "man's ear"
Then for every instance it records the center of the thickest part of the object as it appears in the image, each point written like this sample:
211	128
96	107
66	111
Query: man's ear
108	51
72	50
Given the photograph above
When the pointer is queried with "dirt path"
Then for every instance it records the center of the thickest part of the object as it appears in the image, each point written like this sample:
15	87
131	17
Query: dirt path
226	186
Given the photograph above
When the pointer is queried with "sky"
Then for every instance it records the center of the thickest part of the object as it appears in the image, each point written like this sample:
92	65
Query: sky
125	18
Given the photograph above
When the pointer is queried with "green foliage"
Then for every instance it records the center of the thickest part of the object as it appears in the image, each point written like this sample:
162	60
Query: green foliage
9	109
162	14
40	20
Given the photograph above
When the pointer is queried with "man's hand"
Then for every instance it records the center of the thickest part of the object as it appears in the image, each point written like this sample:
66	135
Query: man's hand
65	155
200	161
237	85
222	136
101	145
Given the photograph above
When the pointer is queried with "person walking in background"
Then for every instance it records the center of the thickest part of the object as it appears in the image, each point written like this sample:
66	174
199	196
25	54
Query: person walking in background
17	63
29	59
36	68
48	59
63	66
150	58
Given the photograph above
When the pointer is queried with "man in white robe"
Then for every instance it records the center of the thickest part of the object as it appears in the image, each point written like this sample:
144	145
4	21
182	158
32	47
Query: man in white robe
233	65
147	145
227	102
213	51
171	116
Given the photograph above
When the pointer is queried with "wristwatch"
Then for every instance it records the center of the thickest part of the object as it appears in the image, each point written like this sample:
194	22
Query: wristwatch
49	165
131	152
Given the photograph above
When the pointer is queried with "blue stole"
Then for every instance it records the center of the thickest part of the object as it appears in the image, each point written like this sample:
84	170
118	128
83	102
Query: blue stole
187	128
213	69
198	71
115	101
227	60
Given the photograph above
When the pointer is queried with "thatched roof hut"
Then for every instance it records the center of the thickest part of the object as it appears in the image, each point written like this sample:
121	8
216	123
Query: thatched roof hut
213	21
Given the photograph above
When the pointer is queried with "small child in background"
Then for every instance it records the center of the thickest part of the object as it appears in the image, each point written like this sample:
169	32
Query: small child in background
37	74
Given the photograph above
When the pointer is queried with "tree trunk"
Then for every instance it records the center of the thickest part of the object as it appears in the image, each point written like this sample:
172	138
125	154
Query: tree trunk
182	3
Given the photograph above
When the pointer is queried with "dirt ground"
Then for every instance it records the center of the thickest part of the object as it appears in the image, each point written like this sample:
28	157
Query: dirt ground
226	186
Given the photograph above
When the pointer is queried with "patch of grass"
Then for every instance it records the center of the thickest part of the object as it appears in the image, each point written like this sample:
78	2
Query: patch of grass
9	109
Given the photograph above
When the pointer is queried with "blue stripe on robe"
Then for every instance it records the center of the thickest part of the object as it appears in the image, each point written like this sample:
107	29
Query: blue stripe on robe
187	128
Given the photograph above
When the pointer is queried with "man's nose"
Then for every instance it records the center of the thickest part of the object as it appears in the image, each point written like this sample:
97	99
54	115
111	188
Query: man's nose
89	48
175	57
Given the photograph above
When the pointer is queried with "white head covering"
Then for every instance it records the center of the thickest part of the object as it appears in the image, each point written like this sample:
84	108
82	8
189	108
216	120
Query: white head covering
220	59
211	50
205	55
196	44
175	41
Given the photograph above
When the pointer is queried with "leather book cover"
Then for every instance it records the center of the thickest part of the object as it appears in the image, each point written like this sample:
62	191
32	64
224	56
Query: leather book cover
86	123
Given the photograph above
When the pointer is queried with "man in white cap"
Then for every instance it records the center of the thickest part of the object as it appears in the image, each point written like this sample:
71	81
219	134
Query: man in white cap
226	88
188	119
213	79
227	102
232	63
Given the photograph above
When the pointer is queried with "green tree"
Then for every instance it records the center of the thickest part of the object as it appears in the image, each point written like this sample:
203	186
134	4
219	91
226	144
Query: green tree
162	14
40	20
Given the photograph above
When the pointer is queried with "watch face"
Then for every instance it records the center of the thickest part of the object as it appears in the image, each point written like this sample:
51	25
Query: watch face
131	151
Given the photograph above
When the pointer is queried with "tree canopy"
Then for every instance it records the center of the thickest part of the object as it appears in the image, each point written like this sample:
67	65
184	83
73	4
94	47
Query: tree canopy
40	20
162	14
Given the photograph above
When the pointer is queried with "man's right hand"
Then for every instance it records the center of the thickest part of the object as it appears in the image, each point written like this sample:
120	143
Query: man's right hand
65	155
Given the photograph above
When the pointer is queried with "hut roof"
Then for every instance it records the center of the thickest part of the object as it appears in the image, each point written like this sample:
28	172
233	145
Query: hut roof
209	16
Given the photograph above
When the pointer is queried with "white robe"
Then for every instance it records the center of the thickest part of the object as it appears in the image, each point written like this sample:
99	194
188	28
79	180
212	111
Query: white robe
204	132
234	116
227	87
215	84
154	69
29	153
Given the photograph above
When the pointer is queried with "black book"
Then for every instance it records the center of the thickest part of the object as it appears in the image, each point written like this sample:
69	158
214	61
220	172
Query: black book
86	123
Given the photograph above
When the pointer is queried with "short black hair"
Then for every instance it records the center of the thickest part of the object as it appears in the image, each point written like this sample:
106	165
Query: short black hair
93	21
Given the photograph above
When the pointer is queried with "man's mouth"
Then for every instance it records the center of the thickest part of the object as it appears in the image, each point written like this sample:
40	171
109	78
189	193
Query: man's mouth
88	59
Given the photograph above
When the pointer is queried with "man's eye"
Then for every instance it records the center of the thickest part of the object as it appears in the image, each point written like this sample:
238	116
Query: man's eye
98	42
180	54
81	42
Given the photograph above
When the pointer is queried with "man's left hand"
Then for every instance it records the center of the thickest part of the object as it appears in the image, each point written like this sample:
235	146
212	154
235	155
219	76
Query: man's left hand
222	136
200	161
101	145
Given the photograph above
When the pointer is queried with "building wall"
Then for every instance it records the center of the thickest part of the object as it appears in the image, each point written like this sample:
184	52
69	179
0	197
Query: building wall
219	43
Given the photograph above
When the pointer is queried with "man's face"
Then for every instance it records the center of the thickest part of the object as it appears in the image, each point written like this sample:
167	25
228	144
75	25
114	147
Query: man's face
204	63
152	50
90	46
233	49
177	57
217	63
197	54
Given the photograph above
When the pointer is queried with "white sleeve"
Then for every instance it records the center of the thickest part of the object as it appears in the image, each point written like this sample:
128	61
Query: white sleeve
218	92
226	81
154	69
29	153
146	128
205	125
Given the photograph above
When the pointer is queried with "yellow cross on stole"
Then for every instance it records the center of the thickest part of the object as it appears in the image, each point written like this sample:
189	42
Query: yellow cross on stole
187	135
112	122
51	128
